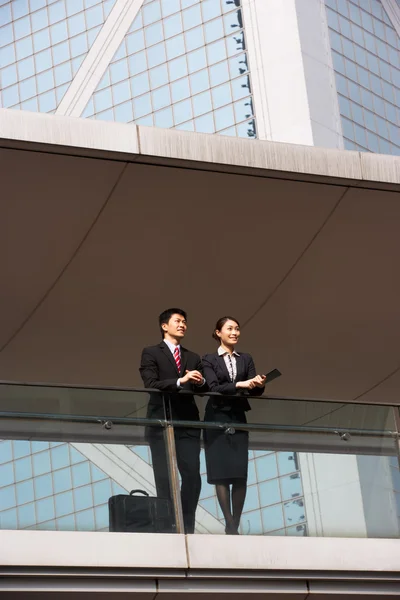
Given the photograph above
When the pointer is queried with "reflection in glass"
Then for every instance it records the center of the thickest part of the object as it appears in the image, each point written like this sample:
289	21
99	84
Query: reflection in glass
41	463
267	467
45	510
294	512
63	524
43	486
23	468
269	492
62	480
26	515
7	497
251	523
252	499
272	517
7	474
291	486
5	451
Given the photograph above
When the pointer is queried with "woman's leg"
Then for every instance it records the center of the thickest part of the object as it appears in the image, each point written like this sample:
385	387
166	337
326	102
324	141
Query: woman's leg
224	499
239	489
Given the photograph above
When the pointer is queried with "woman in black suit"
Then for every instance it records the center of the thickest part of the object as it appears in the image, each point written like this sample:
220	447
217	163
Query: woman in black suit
232	374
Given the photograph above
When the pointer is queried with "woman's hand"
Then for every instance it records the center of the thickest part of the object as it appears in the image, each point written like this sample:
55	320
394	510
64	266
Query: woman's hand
246	385
250	384
259	380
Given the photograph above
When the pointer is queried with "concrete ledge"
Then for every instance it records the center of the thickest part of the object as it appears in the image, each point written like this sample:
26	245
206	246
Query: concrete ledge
130	142
292	553
87	549
249	153
214	553
67	131
380	167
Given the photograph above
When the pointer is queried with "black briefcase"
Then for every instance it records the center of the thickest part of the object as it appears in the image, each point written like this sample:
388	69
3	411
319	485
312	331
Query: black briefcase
140	513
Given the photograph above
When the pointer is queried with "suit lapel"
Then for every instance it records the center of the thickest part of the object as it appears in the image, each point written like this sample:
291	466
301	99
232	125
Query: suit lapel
239	367
223	366
168	354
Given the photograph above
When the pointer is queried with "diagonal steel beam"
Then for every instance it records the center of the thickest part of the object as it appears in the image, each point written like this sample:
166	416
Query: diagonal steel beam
99	57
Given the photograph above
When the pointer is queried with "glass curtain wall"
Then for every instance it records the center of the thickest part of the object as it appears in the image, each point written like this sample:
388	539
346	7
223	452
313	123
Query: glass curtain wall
42	45
366	59
182	64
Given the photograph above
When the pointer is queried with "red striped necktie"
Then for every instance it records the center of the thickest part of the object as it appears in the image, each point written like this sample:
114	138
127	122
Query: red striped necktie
177	357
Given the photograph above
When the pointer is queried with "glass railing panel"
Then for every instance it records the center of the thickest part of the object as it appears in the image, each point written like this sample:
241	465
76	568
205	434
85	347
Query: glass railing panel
308	493
313	414
61	400
63	481
307	483
313	467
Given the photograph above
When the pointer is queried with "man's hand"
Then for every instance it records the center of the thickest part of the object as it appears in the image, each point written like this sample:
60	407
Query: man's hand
193	376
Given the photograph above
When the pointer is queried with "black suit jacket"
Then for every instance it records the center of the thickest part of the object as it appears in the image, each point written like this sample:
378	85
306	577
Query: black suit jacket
159	371
218	380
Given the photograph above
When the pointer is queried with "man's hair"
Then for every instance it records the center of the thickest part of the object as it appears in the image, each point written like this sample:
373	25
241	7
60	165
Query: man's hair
167	314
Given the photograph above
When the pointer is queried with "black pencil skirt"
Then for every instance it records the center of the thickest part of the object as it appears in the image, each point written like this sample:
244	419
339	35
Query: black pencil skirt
226	453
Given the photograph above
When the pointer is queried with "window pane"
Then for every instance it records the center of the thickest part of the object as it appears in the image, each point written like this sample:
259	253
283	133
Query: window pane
202	103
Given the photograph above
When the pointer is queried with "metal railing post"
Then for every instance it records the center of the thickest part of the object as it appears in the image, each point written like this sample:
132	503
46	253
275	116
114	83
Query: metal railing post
396	413
173	473
169	437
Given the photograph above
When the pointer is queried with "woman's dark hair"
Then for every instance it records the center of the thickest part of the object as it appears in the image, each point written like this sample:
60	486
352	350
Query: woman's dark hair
220	323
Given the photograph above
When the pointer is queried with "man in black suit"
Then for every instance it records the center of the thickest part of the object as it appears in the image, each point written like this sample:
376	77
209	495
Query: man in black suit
170	368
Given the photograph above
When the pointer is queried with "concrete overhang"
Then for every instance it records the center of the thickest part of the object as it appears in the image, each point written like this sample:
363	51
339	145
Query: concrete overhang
104	225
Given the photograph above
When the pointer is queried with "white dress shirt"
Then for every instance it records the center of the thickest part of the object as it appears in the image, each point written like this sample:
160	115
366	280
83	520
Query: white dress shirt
230	361
172	346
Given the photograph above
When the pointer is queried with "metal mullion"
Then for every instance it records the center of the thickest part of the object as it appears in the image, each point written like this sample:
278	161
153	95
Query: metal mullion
396	435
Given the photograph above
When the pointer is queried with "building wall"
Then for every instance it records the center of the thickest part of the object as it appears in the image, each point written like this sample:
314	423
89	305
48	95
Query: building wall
366	59
182	65
43	43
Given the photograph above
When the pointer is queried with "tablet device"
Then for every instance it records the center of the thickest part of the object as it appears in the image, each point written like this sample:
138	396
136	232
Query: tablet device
272	375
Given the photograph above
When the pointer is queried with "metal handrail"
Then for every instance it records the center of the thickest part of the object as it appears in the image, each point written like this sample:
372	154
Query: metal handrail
104	419
205	394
